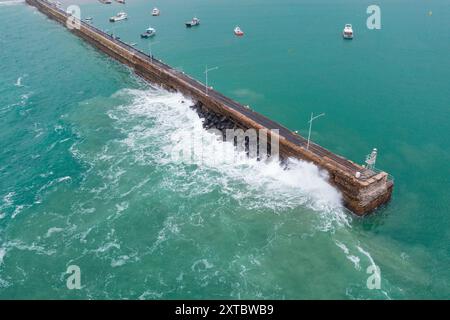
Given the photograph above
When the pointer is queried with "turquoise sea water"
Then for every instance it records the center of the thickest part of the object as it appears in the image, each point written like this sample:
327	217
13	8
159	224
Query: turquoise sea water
86	176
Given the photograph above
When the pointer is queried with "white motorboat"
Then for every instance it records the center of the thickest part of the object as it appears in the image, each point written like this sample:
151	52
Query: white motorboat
194	22
348	32
156	12
119	17
238	32
150	32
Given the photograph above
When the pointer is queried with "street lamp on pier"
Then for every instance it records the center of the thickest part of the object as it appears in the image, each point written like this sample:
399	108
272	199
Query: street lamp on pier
310	126
150	49
206	76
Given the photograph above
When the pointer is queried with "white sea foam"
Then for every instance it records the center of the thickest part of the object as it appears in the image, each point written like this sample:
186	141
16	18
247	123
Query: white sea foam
4	283
7	202
20	245
342	246
353	258
122	206
2	255
120	261
62	179
8	199
24	97
17	210
11	2
156	119
150	295
53	183
53	230
136	187
367	254
107	246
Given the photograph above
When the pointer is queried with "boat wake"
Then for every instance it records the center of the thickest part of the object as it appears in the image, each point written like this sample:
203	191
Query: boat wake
19	82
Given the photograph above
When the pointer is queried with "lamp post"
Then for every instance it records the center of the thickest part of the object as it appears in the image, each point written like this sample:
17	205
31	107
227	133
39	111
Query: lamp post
206	76
150	49
310	126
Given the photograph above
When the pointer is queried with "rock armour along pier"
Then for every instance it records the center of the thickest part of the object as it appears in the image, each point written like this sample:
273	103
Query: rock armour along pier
361	194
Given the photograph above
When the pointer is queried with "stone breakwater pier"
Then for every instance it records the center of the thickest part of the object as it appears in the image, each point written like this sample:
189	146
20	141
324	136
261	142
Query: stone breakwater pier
363	190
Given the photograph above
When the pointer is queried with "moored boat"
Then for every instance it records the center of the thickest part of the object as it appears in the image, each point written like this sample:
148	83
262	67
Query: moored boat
238	32
156	12
348	32
194	22
119	17
150	32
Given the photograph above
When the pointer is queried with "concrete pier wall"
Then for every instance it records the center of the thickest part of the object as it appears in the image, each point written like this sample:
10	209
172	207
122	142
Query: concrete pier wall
361	195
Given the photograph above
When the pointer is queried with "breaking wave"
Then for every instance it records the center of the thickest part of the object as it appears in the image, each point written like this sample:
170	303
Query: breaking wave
11	2
158	120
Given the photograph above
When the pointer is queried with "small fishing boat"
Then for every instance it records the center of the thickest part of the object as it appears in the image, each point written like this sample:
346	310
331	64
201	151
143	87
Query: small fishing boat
119	17
194	22
121	1
348	32
88	19
105	1
238	32
156	12
150	32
